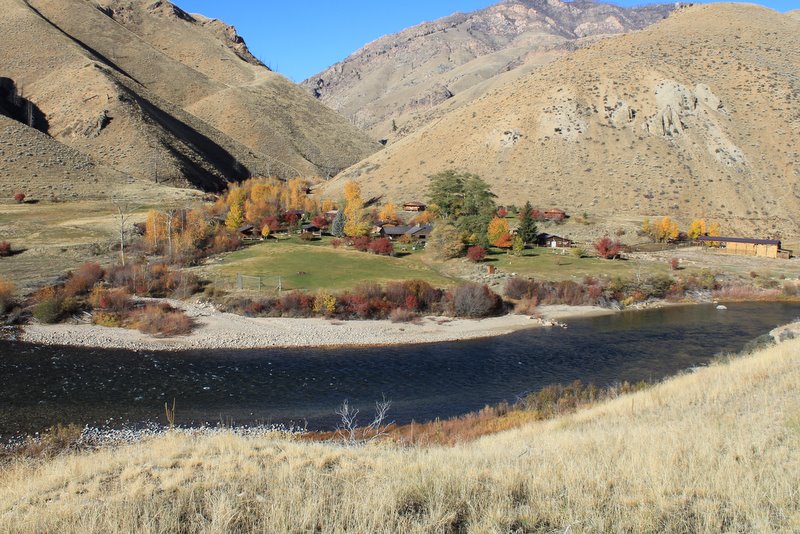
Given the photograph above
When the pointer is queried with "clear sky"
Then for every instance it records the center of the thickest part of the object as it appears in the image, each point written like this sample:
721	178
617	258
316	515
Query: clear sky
301	38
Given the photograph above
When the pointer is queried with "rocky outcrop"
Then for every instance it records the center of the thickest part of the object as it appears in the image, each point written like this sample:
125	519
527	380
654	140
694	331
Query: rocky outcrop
389	84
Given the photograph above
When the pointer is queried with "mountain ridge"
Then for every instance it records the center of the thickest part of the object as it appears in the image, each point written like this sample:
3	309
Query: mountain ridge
696	116
399	76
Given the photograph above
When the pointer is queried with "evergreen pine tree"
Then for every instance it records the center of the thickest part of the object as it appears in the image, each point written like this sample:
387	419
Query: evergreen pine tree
527	227
337	227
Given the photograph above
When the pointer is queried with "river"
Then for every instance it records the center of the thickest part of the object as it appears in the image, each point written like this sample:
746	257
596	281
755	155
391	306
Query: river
41	385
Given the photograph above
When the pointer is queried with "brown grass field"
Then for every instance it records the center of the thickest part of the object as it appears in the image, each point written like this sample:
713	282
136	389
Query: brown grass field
712	451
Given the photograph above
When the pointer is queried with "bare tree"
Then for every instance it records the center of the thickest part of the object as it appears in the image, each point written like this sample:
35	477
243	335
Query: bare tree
349	430
125	211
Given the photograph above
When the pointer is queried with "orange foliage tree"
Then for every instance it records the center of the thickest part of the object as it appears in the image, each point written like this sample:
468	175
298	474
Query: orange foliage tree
498	233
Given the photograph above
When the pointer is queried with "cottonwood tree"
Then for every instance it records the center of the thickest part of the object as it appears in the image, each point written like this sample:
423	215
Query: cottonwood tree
125	211
349	430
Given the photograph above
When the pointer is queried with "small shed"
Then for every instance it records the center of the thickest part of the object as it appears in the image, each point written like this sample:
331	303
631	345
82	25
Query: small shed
555	214
414	206
247	231
554	241
312	229
745	246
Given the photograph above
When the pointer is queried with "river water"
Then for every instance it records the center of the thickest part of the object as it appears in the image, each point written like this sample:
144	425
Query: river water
41	386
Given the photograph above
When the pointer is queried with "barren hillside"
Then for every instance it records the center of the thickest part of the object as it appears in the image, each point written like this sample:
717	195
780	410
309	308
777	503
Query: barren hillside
696	115
157	94
389	86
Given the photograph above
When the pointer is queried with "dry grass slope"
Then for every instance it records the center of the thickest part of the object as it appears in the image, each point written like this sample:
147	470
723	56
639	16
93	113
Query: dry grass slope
713	451
697	115
160	95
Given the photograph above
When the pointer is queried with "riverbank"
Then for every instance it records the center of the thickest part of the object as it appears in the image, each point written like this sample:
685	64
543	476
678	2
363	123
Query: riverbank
701	452
219	330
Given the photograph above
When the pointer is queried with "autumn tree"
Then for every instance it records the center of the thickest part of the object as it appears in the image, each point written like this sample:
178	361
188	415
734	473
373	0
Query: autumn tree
388	214
661	231
607	248
476	253
498	233
696	229
356	222
445	241
517	245
713	231
235	218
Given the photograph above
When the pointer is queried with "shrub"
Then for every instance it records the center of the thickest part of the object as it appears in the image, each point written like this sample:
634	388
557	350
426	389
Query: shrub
109	320
476	253
361	243
296	304
382	247
608	249
791	289
674	264
336	243
83	279
47	309
474	300
518	288
7	301
224	241
19	197
307	236
402	315
116	300
5	249
324	303
162	320
527	306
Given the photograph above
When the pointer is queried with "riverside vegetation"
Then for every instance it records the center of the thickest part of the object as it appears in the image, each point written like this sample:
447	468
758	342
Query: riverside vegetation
701	452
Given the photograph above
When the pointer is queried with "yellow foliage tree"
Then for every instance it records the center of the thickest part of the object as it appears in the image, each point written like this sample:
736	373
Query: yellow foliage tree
713	231
388	213
666	229
235	218
696	229
356	223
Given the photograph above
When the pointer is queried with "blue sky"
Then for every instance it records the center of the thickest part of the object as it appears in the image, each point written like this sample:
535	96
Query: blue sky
301	38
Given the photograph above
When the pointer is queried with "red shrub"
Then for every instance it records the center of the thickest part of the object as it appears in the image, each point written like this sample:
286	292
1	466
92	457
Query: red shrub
674	263
336	243
320	222
19	197
502	212
83	279
361	243
296	304
518	288
608	249
162	320
476	253
5	249
382	247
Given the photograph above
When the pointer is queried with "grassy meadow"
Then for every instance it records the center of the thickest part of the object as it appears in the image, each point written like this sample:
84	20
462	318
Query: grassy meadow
315	265
717	450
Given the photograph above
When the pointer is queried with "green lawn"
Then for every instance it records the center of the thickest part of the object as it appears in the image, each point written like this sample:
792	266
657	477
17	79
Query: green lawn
313	266
545	264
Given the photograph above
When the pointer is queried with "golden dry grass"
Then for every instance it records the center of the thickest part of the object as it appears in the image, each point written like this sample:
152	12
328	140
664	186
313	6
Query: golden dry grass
713	451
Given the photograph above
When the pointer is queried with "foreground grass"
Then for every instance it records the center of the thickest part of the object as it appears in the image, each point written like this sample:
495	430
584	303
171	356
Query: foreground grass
317	265
714	451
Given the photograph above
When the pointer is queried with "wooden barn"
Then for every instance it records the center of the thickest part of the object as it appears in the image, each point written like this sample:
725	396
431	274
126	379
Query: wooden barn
414	206
744	246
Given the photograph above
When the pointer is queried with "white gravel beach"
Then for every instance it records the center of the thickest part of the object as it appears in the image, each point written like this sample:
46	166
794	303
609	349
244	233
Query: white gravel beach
217	330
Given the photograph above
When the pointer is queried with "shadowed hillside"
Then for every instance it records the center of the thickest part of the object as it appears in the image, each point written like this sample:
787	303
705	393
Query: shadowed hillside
698	115
161	95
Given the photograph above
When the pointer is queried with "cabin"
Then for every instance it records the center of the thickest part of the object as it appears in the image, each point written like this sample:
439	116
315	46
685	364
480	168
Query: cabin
554	241
414	206
419	232
555	214
312	229
248	231
745	246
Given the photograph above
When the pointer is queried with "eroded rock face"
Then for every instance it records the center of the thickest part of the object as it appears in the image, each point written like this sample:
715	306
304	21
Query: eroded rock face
390	79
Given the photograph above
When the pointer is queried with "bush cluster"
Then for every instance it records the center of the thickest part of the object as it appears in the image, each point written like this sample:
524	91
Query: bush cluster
536	292
382	246
5	249
161	320
373	301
